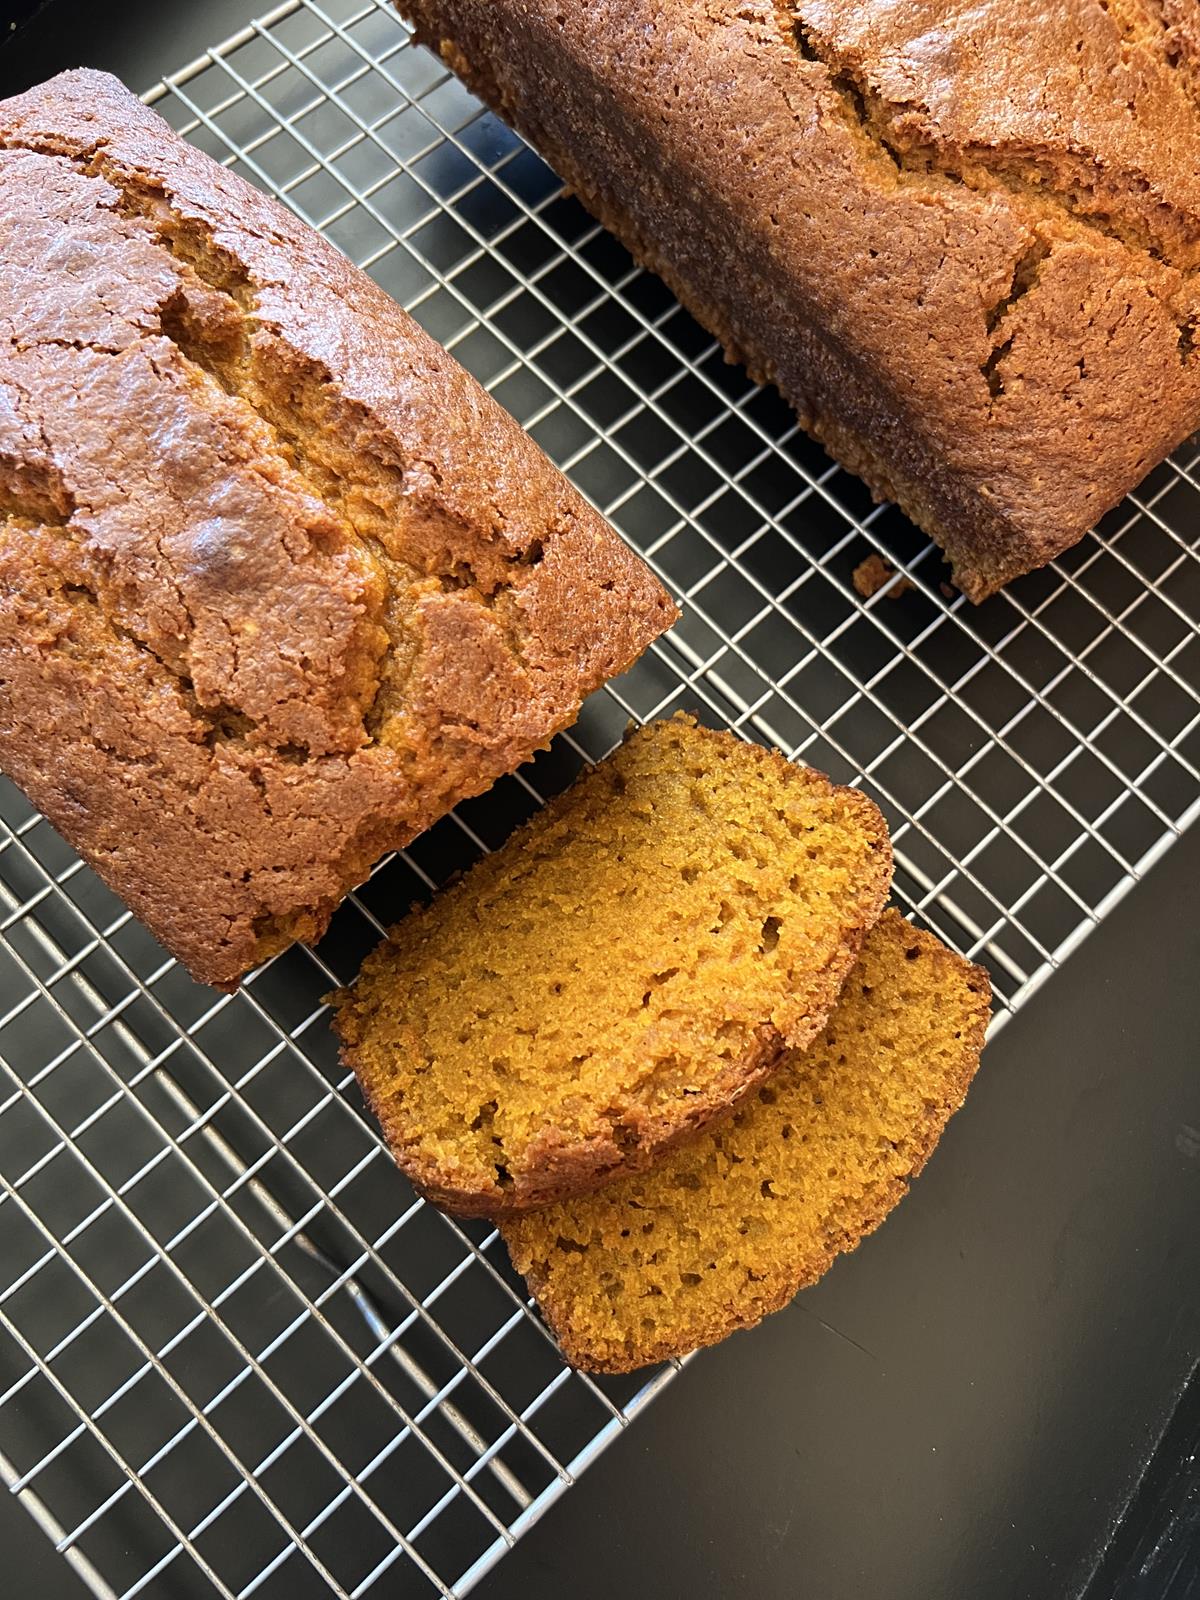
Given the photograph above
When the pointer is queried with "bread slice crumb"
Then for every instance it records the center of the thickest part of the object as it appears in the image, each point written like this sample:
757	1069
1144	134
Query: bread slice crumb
628	966
728	1228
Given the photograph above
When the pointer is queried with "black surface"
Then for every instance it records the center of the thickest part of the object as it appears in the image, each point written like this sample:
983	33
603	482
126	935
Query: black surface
1154	1553
139	40
968	1405
16	13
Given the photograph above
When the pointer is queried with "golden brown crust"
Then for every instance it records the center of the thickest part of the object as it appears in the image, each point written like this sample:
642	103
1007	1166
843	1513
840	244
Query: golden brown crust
281	583
573	1254
486	1124
966	252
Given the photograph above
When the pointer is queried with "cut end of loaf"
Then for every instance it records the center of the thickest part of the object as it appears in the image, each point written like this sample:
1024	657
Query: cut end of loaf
628	966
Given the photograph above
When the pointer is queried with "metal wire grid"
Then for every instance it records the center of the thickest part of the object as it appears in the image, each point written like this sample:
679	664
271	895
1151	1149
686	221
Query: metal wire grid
241	1357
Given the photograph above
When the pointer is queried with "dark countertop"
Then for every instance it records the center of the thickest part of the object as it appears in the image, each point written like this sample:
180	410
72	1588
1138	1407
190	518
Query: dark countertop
973	1402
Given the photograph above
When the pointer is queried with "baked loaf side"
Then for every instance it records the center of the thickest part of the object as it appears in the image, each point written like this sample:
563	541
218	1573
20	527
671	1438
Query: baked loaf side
961	239
623	970
729	1227
279	583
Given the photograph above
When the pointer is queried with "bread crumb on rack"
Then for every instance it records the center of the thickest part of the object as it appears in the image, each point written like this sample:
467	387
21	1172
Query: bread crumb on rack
873	574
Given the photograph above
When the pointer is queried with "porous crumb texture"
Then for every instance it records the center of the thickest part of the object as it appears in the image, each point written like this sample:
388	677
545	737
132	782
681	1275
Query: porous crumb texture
624	969
963	239
729	1227
279	583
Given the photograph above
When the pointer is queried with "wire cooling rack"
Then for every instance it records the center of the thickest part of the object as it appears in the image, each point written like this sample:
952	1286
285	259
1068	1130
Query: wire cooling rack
237	1355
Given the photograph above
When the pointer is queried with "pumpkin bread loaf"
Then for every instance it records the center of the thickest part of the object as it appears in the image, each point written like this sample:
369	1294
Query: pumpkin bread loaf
279	582
730	1226
961	238
628	966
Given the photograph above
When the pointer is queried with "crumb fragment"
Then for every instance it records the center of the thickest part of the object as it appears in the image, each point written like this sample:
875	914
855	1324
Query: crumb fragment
873	574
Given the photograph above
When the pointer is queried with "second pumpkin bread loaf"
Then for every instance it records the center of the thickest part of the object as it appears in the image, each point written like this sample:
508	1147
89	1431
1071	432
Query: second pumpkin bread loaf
961	239
628	966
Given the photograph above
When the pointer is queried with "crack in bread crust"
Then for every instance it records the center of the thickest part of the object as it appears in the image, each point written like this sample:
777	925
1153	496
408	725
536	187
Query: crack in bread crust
1039	185
1038	181
214	331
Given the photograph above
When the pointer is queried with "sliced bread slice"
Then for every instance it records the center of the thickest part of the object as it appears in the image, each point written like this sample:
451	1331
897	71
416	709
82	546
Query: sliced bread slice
729	1227
628	966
